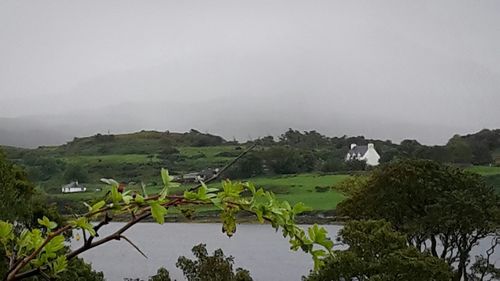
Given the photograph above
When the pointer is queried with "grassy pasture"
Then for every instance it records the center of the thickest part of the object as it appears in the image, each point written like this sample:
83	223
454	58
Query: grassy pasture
110	159
301	188
485	170
293	188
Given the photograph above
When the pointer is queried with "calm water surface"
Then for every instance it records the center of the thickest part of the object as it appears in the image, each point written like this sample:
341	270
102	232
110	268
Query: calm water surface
258	248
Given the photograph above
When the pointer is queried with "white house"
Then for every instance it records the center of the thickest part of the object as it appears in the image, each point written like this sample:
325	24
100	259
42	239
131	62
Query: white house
364	153
73	187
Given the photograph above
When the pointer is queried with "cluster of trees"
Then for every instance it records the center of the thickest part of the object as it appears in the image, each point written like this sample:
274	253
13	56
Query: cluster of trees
477	149
215	267
22	204
420	206
377	252
327	154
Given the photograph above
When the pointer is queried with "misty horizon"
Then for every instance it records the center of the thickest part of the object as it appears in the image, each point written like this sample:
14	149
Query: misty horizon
393	70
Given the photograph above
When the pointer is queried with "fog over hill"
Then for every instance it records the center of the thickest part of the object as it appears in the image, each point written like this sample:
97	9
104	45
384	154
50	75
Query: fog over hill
384	69
218	117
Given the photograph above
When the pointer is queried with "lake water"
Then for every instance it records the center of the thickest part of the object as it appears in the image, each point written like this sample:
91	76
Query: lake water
258	248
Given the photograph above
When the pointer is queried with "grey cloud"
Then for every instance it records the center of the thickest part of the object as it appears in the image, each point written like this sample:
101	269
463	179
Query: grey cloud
385	69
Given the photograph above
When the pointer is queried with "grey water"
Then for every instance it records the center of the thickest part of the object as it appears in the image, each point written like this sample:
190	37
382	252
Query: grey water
257	248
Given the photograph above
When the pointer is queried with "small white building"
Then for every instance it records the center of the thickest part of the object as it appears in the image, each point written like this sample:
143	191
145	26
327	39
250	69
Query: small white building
365	153
73	187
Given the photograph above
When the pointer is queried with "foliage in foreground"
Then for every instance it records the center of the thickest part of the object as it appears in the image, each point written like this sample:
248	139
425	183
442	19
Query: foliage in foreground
22	204
376	252
40	251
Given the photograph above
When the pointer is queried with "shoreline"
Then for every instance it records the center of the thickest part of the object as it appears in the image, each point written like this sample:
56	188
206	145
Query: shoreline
213	217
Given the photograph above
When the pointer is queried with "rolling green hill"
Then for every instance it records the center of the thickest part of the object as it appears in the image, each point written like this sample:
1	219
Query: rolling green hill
138	157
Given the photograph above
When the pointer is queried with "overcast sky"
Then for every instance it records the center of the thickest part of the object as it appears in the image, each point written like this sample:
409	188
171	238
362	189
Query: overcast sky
386	69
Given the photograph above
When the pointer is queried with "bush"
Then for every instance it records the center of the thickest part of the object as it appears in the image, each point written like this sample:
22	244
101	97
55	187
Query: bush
322	188
228	154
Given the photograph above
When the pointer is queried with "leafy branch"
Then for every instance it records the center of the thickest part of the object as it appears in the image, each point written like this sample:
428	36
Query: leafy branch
40	251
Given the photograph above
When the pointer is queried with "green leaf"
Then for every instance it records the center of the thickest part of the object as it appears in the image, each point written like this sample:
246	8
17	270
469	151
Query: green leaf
59	265
110	182
83	223
217	202
165	177
6	233
97	206
54	245
34	239
300	208
190	195
143	187
116	196
166	183
251	187
139	199
127	199
47	223
158	212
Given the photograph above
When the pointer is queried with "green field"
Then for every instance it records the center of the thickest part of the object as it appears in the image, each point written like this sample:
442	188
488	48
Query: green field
110	159
485	170
301	188
293	188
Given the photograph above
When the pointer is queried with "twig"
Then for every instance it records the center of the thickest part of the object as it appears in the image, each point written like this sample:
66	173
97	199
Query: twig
219	173
133	245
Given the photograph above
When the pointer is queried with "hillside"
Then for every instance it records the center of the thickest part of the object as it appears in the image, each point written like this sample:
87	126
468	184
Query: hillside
138	157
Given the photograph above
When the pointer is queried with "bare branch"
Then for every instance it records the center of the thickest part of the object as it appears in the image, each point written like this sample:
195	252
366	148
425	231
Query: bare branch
133	245
219	173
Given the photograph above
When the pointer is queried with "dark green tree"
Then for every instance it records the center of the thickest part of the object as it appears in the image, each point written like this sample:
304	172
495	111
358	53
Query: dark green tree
377	252
216	267
481	155
460	150
282	160
246	167
21	204
16	192
76	172
161	275
355	165
433	205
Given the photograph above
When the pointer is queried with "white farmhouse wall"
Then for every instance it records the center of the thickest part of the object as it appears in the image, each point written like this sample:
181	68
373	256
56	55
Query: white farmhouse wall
371	156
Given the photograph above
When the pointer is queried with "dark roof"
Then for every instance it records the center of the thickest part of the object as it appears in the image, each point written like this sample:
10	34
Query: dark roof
361	149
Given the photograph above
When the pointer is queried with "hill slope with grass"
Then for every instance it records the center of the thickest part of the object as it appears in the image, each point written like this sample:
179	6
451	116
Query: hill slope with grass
313	162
